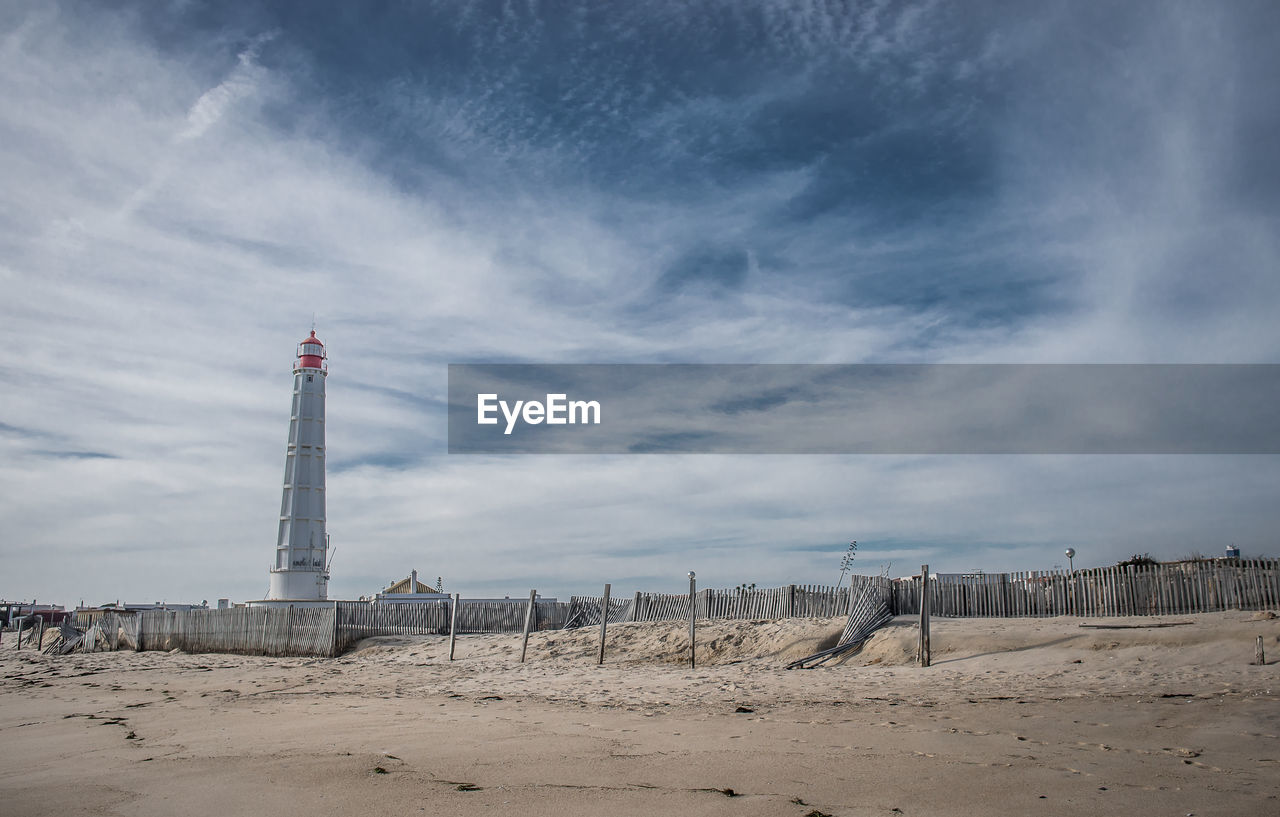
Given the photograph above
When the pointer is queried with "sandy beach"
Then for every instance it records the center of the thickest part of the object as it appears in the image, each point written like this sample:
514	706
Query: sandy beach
1015	716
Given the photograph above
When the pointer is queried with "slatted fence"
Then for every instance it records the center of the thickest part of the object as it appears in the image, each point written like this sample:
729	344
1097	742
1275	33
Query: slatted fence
788	601
508	617
584	611
357	621
869	611
284	631
1177	588
249	630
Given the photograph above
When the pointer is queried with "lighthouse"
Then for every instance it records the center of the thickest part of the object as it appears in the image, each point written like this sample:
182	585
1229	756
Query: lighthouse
300	571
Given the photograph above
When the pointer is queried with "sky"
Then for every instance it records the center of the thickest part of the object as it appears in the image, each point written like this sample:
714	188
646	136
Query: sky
186	185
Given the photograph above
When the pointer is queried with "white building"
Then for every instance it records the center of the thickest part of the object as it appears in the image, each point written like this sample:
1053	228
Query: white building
301	571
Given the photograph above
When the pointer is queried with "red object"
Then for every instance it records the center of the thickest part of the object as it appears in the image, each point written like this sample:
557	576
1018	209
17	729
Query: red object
310	353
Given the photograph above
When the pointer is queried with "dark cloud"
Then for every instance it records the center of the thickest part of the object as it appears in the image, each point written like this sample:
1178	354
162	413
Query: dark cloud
705	268
16	431
910	123
76	455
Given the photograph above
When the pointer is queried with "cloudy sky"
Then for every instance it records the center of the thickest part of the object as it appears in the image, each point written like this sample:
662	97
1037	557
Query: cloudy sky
182	187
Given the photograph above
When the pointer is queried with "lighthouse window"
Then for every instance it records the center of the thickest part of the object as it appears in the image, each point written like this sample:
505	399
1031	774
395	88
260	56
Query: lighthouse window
310	378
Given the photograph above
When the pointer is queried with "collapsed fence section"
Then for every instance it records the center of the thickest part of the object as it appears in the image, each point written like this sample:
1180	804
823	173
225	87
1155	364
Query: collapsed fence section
869	611
111	631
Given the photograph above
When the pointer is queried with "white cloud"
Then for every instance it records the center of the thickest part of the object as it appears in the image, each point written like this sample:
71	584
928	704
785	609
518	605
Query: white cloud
164	246
242	82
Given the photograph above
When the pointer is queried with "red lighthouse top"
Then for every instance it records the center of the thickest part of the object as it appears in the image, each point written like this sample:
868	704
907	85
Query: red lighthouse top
311	353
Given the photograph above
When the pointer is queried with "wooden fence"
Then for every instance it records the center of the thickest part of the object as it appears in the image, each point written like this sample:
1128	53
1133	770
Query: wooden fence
507	617
788	601
320	631
584	611
869	611
249	630
356	620
1177	588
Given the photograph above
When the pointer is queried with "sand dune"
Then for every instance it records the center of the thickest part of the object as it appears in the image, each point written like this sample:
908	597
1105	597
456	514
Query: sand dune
1018	716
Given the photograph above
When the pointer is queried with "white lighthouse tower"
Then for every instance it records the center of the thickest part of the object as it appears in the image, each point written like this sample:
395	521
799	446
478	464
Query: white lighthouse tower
301	572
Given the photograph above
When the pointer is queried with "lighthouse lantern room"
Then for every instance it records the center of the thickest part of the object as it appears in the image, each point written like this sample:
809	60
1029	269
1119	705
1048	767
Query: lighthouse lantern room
300	571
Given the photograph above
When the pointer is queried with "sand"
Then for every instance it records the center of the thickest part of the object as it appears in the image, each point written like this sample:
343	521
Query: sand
1016	716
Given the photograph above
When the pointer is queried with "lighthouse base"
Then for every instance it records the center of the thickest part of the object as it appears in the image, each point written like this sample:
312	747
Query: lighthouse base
299	585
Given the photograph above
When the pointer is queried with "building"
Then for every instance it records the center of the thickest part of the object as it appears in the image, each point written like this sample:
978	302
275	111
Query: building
407	591
11	611
300	570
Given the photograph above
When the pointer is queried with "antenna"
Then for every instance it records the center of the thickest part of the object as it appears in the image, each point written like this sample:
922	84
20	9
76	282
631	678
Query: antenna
313	322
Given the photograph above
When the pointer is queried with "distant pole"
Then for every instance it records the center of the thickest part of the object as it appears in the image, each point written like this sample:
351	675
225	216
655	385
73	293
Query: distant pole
1259	657
924	616
604	622
528	622
1071	574
693	617
453	622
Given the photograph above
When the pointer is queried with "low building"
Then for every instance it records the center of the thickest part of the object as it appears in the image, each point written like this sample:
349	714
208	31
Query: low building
11	611
409	591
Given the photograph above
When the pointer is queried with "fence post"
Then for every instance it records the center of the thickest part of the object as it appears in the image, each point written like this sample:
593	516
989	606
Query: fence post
17	642
924	616
453	622
604	622
635	607
1259	657
693	617
288	628
528	620
333	646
